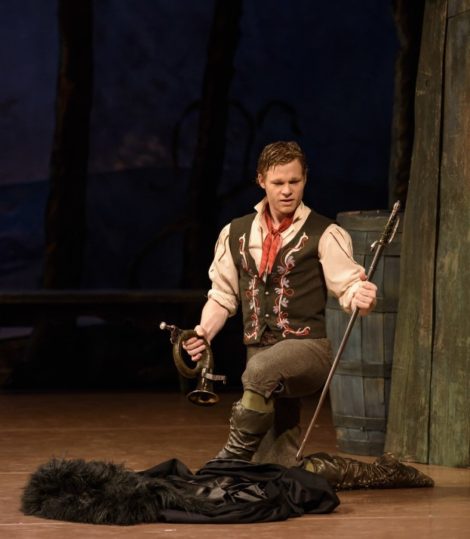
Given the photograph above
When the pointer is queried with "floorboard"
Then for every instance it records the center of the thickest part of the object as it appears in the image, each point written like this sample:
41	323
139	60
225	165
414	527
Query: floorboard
143	429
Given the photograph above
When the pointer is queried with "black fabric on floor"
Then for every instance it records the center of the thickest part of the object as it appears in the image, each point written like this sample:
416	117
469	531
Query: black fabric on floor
223	491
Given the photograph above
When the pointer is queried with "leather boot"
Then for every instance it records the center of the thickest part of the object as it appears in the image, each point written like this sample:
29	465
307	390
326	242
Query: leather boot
281	443
346	473
247	428
279	448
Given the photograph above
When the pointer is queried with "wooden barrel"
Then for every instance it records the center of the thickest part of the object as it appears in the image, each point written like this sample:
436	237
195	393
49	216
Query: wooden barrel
360	389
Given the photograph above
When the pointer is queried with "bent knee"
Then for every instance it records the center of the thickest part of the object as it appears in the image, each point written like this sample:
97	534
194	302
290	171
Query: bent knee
259	379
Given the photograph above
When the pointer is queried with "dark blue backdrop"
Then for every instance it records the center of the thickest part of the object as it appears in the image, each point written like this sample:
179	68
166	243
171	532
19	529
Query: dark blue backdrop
328	66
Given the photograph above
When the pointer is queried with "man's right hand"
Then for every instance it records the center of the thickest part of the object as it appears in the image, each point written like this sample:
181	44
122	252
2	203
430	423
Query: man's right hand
195	346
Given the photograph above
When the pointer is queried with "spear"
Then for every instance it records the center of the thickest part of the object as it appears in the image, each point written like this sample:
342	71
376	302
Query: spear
377	248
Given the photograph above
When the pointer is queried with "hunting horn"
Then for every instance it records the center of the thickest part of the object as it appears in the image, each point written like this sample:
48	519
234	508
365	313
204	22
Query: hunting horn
203	395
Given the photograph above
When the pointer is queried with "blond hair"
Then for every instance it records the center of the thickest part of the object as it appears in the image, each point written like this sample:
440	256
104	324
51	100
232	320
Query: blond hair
280	153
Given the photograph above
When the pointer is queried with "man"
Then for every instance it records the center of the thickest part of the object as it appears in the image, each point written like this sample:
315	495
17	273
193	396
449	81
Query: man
279	263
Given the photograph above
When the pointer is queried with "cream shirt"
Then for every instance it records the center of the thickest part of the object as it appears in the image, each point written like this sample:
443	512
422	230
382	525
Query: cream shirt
334	248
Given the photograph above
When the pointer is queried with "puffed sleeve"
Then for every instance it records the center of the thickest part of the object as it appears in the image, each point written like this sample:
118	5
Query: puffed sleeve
341	271
224	275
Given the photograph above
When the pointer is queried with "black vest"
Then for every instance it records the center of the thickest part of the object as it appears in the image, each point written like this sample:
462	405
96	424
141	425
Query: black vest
291	303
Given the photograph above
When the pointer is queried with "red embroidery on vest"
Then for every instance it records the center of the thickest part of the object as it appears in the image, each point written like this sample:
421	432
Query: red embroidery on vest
284	291
252	293
241	250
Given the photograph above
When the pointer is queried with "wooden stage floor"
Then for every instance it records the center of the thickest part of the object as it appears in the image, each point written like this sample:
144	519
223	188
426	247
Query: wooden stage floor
143	429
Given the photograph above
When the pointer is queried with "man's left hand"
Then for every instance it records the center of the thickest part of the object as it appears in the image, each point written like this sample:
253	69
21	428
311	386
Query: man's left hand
365	296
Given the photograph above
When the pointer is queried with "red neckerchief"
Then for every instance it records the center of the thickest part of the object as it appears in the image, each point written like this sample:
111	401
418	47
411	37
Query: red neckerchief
272	242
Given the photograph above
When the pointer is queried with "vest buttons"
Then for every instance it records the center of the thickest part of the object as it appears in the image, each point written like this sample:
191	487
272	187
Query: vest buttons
266	315
266	293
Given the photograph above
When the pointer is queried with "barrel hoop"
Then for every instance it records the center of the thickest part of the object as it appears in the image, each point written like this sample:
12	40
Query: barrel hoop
374	220
361	448
365	370
384	305
358	422
391	250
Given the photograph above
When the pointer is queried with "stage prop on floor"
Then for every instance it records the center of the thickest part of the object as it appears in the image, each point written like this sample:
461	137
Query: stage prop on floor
223	491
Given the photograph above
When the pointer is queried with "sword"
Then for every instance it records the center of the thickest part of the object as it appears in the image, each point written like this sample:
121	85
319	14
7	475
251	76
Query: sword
377	247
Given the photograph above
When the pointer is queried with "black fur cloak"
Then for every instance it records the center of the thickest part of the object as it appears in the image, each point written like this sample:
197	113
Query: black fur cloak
223	491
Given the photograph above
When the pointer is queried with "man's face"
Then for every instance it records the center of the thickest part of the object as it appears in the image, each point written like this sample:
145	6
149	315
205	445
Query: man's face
284	186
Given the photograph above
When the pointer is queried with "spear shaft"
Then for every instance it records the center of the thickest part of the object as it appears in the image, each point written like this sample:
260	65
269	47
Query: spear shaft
378	246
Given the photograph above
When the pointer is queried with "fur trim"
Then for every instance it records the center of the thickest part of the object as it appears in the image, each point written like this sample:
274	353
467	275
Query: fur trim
102	493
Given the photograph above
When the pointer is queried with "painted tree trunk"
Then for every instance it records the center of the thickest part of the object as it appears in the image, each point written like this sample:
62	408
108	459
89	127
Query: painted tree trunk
65	214
207	167
408	22
51	357
430	397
